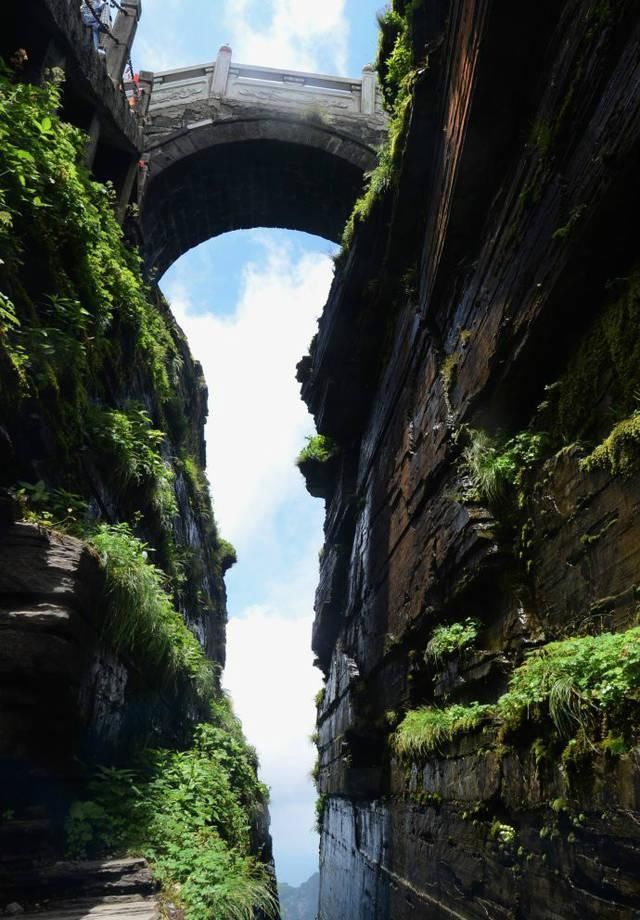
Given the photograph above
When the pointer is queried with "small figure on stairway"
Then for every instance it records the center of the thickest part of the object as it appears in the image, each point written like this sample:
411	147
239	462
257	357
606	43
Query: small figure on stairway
96	15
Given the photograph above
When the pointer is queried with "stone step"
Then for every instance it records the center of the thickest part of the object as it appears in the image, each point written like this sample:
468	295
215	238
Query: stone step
65	881
136	907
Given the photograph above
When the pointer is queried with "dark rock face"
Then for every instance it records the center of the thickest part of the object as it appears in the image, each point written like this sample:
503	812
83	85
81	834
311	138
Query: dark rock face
509	285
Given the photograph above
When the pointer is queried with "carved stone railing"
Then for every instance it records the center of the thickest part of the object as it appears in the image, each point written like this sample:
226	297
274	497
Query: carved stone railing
284	89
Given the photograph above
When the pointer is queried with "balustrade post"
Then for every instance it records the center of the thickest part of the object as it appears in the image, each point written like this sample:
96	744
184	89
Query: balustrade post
221	73
369	90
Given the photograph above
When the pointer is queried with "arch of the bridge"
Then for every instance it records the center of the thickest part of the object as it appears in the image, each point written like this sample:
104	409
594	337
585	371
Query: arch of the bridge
247	172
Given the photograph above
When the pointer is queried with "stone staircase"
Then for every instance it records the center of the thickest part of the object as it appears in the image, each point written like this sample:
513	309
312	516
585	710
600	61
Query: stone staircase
118	888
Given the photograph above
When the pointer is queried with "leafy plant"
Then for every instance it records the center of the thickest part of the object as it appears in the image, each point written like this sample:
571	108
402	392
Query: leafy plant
128	439
320	808
496	469
424	730
190	813
576	680
397	71
447	640
227	555
319	448
54	508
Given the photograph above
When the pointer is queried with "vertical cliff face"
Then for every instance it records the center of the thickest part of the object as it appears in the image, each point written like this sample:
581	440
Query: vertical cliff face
477	366
112	598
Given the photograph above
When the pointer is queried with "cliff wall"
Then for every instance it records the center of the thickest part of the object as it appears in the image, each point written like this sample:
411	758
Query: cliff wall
477	369
112	598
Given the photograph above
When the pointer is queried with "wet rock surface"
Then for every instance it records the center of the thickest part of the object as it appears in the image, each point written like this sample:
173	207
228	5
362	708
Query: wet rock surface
508	286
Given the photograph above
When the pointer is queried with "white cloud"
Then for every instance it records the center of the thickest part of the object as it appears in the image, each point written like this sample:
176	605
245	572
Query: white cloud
257	420
257	425
299	33
270	676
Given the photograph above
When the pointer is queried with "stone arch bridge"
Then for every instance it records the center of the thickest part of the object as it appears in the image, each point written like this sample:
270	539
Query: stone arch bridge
229	146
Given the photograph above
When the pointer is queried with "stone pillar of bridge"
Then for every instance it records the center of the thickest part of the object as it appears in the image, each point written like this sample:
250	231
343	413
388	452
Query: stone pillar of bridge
369	90
123	32
221	73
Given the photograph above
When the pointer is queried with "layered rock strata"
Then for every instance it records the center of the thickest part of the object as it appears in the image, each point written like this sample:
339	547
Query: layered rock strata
511	227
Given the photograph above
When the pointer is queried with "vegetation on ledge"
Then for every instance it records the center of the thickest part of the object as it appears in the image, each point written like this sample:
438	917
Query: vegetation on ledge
588	687
190	814
497	468
447	640
319	449
424	730
397	71
142	622
620	452
578	681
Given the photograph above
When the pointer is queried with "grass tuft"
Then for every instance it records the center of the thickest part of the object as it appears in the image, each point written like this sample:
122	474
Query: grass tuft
425	730
142	622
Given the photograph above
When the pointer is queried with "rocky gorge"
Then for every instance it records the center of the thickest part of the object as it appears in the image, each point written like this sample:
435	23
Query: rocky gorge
475	383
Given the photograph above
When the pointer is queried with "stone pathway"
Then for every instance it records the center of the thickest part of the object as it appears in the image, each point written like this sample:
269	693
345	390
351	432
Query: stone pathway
116	889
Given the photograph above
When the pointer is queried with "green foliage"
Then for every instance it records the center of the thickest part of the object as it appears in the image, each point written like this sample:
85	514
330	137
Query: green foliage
620	452
321	807
142	621
394	59
128	440
576	679
426	729
129	445
320	695
497	469
583	684
227	555
57	322
396	69
605	361
190	813
447	640
52	508
319	448
504	834
574	219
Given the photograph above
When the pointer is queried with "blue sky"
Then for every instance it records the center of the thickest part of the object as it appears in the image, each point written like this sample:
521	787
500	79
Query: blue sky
248	302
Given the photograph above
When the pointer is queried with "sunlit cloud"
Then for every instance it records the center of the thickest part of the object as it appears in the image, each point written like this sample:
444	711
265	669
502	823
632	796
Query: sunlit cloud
270	676
297	35
257	420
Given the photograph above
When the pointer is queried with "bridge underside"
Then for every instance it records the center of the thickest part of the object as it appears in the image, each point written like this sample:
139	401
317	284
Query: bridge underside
285	179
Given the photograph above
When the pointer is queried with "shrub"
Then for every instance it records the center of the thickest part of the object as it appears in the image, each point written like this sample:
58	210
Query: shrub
141	619
54	508
424	730
319	448
577	679
189	813
496	469
447	640
57	324
128	440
